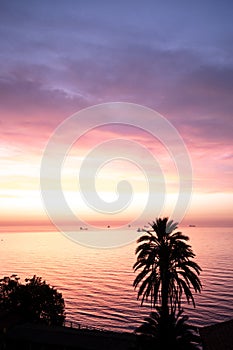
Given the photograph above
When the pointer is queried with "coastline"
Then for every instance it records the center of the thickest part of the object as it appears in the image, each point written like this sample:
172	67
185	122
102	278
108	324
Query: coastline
34	336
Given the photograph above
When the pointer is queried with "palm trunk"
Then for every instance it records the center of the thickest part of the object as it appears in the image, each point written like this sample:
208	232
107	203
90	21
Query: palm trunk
164	297
164	304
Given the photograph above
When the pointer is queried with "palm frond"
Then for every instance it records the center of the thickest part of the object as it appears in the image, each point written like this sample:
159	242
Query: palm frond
165	266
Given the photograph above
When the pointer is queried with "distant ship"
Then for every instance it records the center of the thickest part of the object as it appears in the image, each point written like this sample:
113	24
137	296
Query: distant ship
192	225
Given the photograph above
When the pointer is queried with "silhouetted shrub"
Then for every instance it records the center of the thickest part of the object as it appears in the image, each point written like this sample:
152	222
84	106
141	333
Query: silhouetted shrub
35	301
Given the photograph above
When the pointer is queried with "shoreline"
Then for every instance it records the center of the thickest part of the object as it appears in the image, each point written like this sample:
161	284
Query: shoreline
34	336
218	336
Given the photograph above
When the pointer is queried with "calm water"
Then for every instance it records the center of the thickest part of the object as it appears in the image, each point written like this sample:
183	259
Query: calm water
97	284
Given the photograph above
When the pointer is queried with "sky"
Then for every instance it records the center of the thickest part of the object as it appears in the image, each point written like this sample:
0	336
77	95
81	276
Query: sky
59	57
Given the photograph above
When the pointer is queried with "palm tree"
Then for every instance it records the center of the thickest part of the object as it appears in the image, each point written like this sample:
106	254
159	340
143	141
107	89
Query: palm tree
180	334
166	269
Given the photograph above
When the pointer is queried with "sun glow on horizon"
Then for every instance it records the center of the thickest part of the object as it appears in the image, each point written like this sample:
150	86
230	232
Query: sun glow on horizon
22	203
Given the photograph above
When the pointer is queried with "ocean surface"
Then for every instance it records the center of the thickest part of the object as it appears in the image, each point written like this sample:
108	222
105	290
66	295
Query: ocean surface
97	283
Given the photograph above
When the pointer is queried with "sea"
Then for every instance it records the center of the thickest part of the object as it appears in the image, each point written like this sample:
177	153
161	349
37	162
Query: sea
97	284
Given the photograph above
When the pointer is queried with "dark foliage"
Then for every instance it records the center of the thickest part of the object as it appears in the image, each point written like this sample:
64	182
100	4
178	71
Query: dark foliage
35	301
178	335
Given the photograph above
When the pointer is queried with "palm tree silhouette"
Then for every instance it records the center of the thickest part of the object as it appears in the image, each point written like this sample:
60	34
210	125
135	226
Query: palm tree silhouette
166	269
180	334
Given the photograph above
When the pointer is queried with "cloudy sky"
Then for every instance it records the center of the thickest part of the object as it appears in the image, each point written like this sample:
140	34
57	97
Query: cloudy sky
58	57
